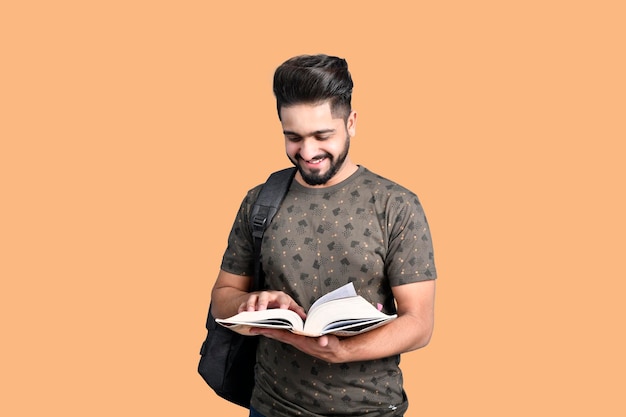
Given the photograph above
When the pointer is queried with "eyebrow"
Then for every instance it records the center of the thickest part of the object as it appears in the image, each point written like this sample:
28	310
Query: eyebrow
315	133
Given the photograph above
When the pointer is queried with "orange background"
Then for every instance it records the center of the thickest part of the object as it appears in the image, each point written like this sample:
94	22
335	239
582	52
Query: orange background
131	130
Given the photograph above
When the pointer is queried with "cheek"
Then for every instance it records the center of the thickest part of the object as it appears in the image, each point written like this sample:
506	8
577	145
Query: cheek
335	148
291	148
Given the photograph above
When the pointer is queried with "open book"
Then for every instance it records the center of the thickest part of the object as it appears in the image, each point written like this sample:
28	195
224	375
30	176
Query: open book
341	312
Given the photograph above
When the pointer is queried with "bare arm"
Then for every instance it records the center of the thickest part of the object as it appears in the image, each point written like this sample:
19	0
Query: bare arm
411	330
230	295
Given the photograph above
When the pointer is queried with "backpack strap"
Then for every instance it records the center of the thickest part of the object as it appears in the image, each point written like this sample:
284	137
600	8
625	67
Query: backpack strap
265	207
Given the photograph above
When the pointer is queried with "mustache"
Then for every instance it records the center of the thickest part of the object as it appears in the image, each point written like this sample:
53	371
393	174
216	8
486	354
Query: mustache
316	157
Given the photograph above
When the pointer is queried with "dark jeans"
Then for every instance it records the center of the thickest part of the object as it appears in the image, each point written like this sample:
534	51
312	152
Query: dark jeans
254	413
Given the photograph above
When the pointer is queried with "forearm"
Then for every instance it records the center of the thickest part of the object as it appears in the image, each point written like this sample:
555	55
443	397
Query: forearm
225	301
228	293
411	330
404	334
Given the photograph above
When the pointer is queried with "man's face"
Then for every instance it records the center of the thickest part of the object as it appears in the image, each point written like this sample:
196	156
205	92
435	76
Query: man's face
317	144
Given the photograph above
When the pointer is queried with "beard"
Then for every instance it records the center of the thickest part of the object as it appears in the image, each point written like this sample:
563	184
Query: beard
315	176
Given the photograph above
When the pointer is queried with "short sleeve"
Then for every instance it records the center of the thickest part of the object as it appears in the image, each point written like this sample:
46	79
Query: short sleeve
410	255
238	257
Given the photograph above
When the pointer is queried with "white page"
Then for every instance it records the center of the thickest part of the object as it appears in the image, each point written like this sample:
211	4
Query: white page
341	292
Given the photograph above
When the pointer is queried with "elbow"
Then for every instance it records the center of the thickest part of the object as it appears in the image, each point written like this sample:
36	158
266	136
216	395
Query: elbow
420	343
422	338
425	340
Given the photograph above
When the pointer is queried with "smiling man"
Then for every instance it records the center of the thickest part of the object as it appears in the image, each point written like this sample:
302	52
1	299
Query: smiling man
318	144
339	223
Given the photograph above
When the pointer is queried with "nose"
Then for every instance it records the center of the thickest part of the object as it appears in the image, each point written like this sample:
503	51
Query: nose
308	149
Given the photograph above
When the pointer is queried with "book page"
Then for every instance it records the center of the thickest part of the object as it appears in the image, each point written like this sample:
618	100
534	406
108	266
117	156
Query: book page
342	314
271	318
341	292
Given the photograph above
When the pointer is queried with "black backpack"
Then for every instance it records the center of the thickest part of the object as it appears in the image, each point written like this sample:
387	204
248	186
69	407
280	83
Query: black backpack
227	358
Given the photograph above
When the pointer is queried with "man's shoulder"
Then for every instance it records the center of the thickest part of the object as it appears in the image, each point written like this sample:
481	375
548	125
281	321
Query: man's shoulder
252	194
382	183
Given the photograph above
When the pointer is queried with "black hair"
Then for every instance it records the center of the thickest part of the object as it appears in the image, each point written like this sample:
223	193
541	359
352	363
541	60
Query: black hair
312	79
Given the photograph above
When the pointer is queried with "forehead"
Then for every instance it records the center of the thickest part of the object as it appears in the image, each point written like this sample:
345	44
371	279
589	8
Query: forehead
308	117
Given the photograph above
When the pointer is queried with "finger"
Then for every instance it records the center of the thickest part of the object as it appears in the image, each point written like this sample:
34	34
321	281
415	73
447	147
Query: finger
263	300
298	309
323	341
278	299
288	302
249	304
285	301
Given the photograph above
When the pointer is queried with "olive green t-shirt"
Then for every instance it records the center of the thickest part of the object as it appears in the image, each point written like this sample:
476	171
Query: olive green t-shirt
366	230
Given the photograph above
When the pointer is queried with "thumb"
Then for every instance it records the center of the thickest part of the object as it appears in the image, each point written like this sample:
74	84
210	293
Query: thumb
323	341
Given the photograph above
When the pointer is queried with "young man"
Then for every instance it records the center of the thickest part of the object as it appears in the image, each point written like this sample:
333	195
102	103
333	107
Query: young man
339	223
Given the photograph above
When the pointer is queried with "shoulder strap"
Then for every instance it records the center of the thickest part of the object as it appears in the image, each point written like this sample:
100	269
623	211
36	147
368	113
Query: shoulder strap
265	207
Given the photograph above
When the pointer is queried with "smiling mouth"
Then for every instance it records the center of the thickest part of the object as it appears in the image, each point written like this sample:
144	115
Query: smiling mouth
316	161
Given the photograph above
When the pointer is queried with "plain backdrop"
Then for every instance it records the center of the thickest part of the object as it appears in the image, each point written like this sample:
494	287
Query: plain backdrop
131	130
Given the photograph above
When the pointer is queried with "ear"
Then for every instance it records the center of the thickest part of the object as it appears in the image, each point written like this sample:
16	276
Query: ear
351	124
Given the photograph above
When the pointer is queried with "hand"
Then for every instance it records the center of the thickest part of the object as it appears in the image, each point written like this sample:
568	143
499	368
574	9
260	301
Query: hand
327	348
262	300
